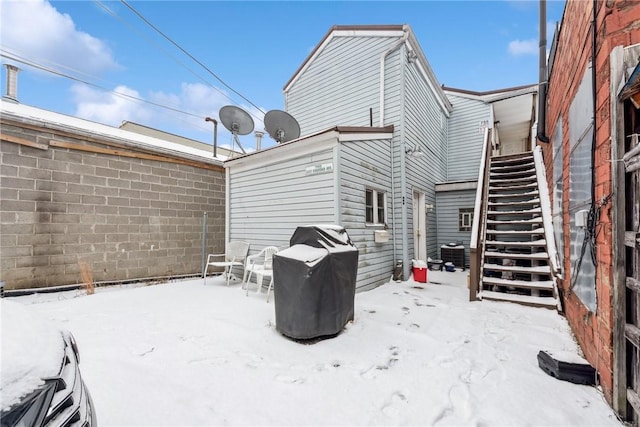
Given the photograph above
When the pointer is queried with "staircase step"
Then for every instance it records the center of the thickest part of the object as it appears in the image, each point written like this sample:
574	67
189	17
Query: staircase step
495	180
516	232
513	167
500	195
546	302
512	175
509	187
516	212
534	201
538	269
537	256
537	220
532	243
512	158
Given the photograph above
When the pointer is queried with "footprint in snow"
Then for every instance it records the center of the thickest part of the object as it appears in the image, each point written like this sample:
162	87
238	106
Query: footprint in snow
290	380
394	407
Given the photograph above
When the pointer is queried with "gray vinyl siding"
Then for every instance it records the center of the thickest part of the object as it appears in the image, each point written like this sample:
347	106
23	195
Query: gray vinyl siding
447	205
267	203
340	86
425	125
465	141
393	115
366	165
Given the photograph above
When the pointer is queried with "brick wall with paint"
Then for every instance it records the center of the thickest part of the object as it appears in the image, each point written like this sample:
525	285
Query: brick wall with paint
616	25
130	216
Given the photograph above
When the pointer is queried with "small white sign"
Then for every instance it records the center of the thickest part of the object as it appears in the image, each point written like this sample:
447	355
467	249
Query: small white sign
318	169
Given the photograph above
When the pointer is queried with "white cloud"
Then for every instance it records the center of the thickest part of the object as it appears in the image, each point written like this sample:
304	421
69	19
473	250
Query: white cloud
195	98
110	108
203	100
523	47
35	30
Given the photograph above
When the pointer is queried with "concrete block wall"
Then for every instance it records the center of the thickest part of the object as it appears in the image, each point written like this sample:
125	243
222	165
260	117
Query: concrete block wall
617	25
129	218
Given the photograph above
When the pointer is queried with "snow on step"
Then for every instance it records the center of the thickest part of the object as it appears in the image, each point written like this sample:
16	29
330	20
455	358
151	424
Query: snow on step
510	168
517	203
512	187
547	302
537	220
540	242
517	232
513	195
524	179
533	256
516	212
538	269
512	160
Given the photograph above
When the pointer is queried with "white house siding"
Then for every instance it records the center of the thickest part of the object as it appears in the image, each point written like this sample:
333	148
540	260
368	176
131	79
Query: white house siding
268	202
340	86
465	137
447	205
366	164
426	125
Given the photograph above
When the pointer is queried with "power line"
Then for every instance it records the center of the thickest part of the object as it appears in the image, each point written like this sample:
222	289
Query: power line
133	29
189	55
13	57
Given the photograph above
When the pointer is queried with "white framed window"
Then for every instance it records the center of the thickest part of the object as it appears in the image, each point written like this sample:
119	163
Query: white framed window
375	207
465	219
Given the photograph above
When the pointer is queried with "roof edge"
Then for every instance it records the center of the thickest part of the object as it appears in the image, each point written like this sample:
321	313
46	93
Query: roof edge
333	29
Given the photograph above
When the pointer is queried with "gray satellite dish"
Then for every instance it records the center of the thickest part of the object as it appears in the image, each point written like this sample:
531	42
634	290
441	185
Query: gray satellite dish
237	121
281	126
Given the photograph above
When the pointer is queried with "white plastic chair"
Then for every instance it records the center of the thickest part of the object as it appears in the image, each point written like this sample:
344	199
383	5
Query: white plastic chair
236	254
261	270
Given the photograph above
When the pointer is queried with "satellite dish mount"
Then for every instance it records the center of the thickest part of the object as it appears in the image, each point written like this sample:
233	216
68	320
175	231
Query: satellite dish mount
281	126
237	121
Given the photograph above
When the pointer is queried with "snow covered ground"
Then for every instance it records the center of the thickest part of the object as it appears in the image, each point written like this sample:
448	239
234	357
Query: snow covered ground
186	353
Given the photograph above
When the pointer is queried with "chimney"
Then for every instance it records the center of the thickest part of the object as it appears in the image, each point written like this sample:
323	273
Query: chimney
258	135
12	82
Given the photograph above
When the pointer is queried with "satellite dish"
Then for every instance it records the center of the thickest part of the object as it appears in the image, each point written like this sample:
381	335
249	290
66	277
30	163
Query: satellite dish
237	121
281	126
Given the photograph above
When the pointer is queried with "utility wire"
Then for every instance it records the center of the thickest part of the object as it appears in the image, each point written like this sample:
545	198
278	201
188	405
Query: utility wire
157	46
32	64
189	55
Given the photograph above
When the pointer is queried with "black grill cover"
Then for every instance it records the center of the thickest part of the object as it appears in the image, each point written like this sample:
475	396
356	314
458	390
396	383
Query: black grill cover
315	282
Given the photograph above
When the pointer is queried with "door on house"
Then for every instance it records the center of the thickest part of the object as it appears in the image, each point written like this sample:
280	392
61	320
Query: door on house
419	226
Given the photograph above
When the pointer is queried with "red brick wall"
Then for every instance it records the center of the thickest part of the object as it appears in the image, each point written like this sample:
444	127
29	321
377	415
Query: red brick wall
618	24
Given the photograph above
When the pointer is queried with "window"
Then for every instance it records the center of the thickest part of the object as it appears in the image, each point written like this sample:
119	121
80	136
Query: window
558	222
580	136
375	207
465	219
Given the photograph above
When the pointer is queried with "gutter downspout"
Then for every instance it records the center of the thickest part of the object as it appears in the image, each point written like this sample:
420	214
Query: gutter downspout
383	58
542	78
403	176
594	92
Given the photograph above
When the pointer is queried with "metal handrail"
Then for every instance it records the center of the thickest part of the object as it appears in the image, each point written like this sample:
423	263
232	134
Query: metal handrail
477	228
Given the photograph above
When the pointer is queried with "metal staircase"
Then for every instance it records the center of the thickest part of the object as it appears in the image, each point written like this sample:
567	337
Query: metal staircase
515	263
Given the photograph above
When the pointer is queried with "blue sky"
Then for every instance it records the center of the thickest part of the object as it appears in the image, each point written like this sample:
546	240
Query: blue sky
254	47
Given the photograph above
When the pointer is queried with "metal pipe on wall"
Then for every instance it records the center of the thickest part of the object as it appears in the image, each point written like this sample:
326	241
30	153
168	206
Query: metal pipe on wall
204	244
542	77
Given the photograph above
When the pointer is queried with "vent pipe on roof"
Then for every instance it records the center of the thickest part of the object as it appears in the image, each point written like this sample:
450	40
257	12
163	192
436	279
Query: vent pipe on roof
543	77
258	135
12	82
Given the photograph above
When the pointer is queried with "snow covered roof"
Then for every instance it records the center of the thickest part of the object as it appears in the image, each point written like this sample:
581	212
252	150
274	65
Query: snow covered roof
310	142
45	118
